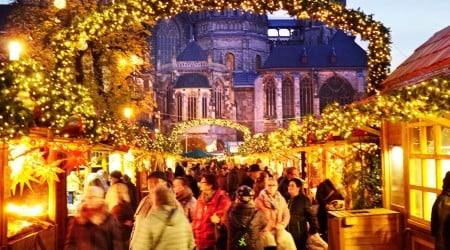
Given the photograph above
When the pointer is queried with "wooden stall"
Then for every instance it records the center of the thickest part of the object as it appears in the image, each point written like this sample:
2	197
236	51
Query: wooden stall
368	229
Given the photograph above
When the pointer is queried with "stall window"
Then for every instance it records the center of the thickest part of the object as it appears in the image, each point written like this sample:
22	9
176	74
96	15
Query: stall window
429	160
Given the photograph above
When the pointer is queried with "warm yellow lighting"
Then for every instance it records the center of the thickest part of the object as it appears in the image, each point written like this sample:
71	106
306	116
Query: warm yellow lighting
24	210
60	4
397	156
15	48
128	112
135	60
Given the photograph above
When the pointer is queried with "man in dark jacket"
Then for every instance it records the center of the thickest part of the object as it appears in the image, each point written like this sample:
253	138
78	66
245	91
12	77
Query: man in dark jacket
440	217
244	222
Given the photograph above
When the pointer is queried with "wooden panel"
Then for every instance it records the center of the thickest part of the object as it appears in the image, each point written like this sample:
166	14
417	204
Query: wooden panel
370	229
44	239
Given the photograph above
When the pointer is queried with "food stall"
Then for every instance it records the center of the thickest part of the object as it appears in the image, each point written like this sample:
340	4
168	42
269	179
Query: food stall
33	183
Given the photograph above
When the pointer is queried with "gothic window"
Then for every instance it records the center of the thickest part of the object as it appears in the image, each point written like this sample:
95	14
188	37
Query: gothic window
269	91
229	61
179	98
218	100
336	89
288	98
168	103
258	62
306	97
204	107
167	38
192	107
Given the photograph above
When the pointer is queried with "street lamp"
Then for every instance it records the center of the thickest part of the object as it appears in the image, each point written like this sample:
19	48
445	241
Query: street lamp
14	50
128	112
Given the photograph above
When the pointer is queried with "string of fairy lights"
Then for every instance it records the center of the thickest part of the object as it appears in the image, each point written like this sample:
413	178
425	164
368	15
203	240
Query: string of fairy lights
31	96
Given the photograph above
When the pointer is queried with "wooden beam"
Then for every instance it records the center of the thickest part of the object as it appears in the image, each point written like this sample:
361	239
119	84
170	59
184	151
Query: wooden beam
371	130
437	120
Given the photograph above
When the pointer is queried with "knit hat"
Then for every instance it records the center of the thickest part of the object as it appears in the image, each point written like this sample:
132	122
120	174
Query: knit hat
245	194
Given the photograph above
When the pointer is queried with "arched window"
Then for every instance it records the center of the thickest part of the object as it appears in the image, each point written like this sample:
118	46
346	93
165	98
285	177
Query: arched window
167	38
257	62
218	101
287	93
229	61
204	107
306	97
269	91
192	107
179	98
336	89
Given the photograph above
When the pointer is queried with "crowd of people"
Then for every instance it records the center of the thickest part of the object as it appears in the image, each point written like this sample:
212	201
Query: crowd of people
205	208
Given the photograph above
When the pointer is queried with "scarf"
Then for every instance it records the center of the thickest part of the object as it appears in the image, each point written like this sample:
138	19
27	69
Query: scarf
271	201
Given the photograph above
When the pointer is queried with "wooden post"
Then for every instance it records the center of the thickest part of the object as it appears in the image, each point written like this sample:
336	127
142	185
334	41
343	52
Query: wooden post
3	193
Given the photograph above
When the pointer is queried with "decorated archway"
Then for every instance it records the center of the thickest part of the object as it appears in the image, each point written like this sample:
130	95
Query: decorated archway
116	17
182	126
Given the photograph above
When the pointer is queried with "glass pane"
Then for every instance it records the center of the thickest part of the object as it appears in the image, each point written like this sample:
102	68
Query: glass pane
415	172
445	138
445	166
397	179
415	139
416	203
429	200
430	173
430	140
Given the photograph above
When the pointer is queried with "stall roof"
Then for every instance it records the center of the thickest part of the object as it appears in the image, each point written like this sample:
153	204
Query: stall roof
430	59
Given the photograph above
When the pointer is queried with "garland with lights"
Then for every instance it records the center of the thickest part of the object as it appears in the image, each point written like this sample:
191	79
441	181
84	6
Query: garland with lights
180	127
429	98
65	98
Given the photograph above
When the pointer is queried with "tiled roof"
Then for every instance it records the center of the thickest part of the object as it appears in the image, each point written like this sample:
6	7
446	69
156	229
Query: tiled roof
242	79
192	80
430	59
192	52
348	54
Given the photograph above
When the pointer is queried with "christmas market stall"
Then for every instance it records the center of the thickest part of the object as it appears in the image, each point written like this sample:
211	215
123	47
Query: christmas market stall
416	138
34	197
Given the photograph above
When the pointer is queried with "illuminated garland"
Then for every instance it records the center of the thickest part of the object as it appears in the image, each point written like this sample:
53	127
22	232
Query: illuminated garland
66	98
182	126
429	98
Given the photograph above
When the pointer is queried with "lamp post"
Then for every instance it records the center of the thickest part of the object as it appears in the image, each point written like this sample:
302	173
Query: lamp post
128	112
15	48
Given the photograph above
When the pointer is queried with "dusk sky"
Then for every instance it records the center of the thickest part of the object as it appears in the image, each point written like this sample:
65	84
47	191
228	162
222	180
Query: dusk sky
412	22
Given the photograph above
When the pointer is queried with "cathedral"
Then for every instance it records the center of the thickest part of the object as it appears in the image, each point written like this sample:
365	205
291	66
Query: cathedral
257	71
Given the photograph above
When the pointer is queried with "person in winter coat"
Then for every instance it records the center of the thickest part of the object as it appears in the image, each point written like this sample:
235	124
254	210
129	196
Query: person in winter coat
94	227
325	194
274	208
440	216
165	227
212	205
300	209
244	222
185	197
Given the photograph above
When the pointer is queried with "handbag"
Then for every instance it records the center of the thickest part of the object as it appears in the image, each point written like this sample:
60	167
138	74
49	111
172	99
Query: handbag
315	242
284	240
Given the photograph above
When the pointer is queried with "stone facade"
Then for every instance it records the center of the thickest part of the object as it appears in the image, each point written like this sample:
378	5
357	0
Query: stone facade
248	78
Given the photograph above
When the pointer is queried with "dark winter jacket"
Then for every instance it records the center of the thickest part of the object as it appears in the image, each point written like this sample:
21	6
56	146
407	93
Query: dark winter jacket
94	230
240	219
300	209
440	221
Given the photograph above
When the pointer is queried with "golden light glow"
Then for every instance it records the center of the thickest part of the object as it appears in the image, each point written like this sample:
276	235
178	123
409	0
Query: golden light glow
60	4
24	210
15	48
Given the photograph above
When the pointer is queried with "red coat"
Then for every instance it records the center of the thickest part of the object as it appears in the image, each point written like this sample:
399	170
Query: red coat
202	226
